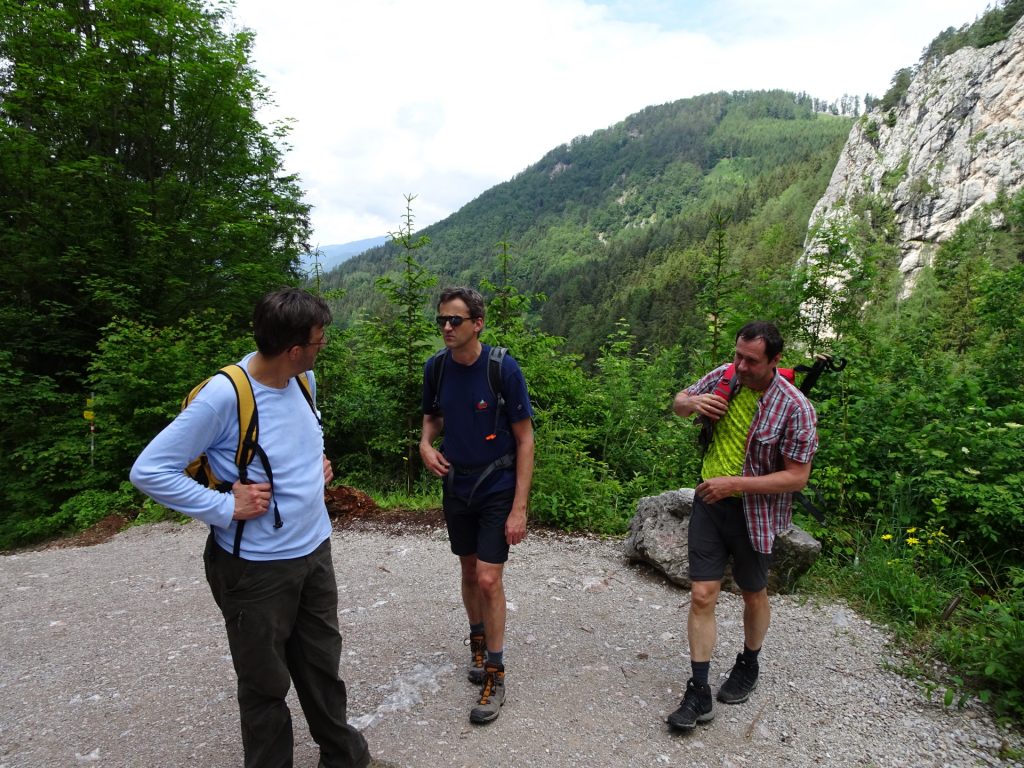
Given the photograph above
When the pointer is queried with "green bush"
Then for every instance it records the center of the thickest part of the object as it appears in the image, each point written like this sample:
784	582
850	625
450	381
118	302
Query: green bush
44	454
984	642
85	509
140	375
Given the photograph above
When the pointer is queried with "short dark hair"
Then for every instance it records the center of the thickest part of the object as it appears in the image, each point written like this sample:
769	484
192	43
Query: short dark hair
761	329
470	296
284	318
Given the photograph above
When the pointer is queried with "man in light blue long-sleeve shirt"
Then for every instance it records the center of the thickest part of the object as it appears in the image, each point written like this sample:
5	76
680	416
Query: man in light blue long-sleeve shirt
277	591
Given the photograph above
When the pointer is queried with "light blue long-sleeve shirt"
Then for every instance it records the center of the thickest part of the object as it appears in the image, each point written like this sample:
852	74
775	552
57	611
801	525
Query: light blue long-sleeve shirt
293	441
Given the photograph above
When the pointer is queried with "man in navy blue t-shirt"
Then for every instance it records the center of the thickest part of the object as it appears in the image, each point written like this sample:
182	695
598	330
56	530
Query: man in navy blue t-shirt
486	460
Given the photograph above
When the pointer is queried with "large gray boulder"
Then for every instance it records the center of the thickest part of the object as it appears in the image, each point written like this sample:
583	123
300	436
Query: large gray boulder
658	535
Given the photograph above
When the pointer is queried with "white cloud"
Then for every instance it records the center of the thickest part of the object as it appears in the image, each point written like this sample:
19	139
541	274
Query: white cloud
446	99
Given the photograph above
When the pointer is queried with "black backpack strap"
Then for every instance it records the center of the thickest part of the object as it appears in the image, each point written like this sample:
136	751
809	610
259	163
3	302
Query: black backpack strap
494	360
813	509
502	462
435	370
812	373
257	450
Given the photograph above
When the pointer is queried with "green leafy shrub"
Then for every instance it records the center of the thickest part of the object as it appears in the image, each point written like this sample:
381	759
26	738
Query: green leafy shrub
572	490
984	641
45	457
87	508
141	374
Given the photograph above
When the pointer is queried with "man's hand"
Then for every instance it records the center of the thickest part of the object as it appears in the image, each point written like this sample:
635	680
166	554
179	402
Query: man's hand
718	488
515	526
711	405
434	460
251	499
328	471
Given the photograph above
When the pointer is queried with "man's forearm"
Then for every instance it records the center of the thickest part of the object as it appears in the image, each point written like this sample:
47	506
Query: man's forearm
783	481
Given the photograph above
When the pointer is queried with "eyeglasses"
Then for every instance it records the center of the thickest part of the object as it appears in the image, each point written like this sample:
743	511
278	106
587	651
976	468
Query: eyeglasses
321	343
453	320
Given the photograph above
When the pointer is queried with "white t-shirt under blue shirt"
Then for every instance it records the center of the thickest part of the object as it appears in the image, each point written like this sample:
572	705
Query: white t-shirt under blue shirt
293	441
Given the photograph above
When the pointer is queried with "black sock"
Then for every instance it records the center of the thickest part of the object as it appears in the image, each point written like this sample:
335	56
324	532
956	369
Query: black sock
750	657
476	629
700	671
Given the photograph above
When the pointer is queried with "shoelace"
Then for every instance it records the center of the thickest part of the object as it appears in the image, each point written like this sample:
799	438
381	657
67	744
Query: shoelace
488	688
478	649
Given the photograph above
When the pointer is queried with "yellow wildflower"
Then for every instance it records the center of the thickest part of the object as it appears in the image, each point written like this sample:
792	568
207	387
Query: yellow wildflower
886	536
912	541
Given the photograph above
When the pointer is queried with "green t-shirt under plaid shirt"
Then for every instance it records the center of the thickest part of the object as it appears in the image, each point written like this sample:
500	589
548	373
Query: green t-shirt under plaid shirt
729	443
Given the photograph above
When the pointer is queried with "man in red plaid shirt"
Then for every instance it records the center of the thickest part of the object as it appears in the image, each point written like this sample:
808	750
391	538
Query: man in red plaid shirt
763	438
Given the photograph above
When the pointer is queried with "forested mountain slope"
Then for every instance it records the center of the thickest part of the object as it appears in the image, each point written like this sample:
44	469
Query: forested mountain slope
622	223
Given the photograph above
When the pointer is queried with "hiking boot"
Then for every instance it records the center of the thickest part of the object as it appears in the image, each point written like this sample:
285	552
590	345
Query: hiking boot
477	651
741	682
492	695
696	707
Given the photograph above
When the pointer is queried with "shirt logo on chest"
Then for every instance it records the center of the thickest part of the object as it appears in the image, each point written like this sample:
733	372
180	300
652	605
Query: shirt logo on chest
482	405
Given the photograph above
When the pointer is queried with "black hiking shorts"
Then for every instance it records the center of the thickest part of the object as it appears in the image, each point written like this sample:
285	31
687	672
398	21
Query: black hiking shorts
717	532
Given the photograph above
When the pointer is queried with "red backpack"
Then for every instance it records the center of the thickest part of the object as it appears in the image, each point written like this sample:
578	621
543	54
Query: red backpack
725	387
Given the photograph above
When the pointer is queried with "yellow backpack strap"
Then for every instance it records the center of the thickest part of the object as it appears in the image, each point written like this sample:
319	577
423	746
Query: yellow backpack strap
192	395
305	385
248	425
248	418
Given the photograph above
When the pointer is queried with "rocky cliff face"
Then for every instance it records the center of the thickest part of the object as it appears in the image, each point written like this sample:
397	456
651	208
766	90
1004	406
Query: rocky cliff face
953	143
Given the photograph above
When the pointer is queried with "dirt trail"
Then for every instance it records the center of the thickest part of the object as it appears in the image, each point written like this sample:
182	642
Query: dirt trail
115	655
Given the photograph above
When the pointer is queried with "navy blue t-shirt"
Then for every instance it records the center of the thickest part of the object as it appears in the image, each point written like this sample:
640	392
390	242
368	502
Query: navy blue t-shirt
469	409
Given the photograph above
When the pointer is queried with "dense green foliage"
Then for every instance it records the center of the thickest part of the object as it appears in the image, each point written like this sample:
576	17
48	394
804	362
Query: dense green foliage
922	457
135	181
993	25
614	224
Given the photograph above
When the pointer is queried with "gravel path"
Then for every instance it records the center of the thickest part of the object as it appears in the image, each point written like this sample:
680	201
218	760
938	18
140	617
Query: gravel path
115	655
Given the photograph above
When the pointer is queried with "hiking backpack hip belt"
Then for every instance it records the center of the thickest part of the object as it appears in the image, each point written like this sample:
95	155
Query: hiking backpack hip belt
482	470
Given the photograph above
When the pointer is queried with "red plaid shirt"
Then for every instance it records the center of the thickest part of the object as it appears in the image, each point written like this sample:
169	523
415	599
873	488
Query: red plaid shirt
785	425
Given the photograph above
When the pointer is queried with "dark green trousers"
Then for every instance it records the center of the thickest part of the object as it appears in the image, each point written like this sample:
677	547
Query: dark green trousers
282	624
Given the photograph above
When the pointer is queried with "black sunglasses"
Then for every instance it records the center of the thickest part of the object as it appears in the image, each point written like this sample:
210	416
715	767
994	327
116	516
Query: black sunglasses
454	320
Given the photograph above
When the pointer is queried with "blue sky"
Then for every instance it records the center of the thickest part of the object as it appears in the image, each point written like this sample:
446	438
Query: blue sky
445	99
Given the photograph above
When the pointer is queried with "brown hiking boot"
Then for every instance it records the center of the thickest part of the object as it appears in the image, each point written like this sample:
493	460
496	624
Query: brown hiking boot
477	651
492	695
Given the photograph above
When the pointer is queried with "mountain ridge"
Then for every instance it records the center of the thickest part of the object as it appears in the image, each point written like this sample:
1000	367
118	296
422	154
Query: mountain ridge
632	200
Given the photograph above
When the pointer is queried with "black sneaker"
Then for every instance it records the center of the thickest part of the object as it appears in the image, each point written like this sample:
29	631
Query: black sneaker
477	651
696	707
740	684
